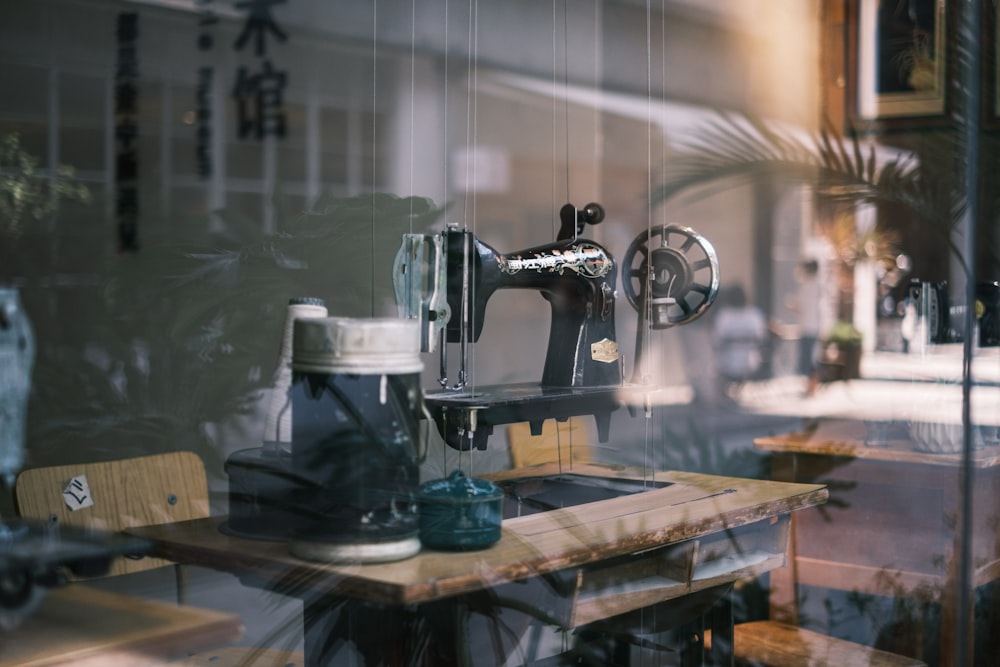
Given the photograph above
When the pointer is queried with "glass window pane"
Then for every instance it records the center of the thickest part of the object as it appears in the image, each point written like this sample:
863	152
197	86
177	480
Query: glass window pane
766	350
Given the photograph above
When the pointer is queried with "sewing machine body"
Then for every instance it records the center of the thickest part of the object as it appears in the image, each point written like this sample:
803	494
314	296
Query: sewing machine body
576	276
446	281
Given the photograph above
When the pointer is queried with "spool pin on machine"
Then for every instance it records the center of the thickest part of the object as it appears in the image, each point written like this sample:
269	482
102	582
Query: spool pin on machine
445	280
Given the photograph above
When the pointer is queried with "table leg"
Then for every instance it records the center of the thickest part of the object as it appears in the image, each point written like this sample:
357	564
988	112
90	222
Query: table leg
383	636
320	627
783	588
718	619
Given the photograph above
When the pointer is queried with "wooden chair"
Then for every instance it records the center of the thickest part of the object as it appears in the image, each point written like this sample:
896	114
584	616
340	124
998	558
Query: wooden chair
568	441
161	488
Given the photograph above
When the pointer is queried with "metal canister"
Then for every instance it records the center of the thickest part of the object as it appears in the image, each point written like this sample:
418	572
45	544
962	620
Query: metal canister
356	446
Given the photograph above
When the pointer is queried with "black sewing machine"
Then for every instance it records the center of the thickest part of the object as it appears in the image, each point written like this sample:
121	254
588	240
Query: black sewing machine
446	280
943	315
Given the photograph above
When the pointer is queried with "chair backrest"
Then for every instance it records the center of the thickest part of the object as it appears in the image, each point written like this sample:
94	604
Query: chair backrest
116	495
568	438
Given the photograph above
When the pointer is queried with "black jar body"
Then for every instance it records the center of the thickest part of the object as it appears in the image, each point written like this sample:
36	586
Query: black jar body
355	453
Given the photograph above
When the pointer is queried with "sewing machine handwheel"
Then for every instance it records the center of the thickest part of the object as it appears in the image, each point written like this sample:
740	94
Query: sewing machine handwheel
678	278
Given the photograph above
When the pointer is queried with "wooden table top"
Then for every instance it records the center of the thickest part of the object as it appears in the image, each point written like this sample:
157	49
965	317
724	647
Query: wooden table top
846	438
692	505
81	626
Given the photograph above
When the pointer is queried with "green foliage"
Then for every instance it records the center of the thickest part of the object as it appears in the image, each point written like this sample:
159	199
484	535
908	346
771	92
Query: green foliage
844	332
29	193
747	149
734	149
186	331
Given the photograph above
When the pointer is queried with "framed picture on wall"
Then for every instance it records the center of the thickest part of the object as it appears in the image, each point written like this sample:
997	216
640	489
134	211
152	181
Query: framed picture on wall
990	59
897	60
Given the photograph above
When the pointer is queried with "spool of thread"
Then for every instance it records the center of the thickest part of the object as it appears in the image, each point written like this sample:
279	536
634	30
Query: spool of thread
278	425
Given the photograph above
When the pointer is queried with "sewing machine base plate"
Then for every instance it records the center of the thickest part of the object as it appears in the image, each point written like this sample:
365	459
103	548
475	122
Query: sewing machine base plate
465	419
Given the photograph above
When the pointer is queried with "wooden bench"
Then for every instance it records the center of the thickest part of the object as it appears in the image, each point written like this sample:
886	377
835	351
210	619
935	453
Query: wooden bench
773	644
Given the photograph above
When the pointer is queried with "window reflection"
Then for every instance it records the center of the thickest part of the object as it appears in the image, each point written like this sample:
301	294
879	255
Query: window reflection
735	119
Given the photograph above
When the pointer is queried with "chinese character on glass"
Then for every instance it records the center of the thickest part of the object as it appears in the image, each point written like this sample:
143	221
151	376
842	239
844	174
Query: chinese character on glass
208	19
259	23
259	99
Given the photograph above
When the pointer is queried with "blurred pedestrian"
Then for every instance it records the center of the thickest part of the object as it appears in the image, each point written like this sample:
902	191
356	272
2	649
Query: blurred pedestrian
739	334
807	305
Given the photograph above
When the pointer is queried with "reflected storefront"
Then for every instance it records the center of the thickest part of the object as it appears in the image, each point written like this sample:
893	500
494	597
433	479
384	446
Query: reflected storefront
672	325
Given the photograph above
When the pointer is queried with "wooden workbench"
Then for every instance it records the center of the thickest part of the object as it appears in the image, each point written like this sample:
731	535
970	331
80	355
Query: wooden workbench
695	533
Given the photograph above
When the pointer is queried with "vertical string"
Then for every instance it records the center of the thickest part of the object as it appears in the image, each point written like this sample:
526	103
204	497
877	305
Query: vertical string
469	140
475	102
598	69
555	203
444	133
471	143
555	172
555	68
663	170
648	471
374	143
647	439
473	95
443	340
474	56
413	99
566	93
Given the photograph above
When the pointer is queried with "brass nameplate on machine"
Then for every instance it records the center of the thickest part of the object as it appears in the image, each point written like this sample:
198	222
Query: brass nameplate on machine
604	350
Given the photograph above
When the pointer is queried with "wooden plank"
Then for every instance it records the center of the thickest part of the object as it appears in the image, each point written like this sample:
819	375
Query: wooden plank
433	575
867	579
632	582
79	625
617	510
639	581
846	438
638	593
779	645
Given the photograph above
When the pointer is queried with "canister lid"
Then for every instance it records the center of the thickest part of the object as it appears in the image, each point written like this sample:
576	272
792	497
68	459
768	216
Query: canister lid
353	345
457	486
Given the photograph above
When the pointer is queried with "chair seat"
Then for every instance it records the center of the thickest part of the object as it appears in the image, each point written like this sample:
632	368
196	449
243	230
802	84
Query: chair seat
567	441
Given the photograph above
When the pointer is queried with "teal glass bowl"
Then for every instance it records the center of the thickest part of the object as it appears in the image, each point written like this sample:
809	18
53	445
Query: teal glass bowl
459	513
